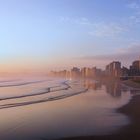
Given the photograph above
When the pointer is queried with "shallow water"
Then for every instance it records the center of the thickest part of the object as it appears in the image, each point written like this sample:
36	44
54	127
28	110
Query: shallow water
37	108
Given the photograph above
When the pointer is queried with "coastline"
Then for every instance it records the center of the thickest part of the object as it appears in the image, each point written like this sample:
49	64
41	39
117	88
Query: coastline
132	110
128	132
131	84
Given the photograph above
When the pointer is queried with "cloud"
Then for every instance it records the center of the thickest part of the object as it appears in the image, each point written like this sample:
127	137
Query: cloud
125	55
78	21
107	30
135	17
98	29
133	5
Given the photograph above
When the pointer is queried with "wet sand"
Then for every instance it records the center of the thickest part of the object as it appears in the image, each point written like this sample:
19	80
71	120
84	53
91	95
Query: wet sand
130	132
131	84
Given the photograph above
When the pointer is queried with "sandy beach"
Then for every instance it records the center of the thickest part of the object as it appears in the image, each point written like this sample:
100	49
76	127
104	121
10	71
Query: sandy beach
99	113
129	132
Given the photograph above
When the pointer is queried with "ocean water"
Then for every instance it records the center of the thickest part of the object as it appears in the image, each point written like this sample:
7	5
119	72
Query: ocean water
38	108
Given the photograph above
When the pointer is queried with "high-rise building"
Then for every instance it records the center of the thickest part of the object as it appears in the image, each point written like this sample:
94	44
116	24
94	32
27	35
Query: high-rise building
75	72
124	71
83	72
135	68
113	69
88	72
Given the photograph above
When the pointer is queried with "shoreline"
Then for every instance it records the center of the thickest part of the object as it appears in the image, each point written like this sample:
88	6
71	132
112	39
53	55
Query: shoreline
131	84
128	132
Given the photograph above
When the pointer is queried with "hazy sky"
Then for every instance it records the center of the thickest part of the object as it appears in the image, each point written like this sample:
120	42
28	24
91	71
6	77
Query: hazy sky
50	34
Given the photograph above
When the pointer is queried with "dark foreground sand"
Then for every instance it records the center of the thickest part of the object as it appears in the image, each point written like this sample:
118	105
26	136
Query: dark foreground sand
130	132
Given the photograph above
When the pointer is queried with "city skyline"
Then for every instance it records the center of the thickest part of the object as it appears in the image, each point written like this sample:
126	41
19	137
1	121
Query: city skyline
114	69
44	35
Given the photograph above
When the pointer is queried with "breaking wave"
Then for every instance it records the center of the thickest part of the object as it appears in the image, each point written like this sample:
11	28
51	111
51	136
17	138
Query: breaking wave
56	91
